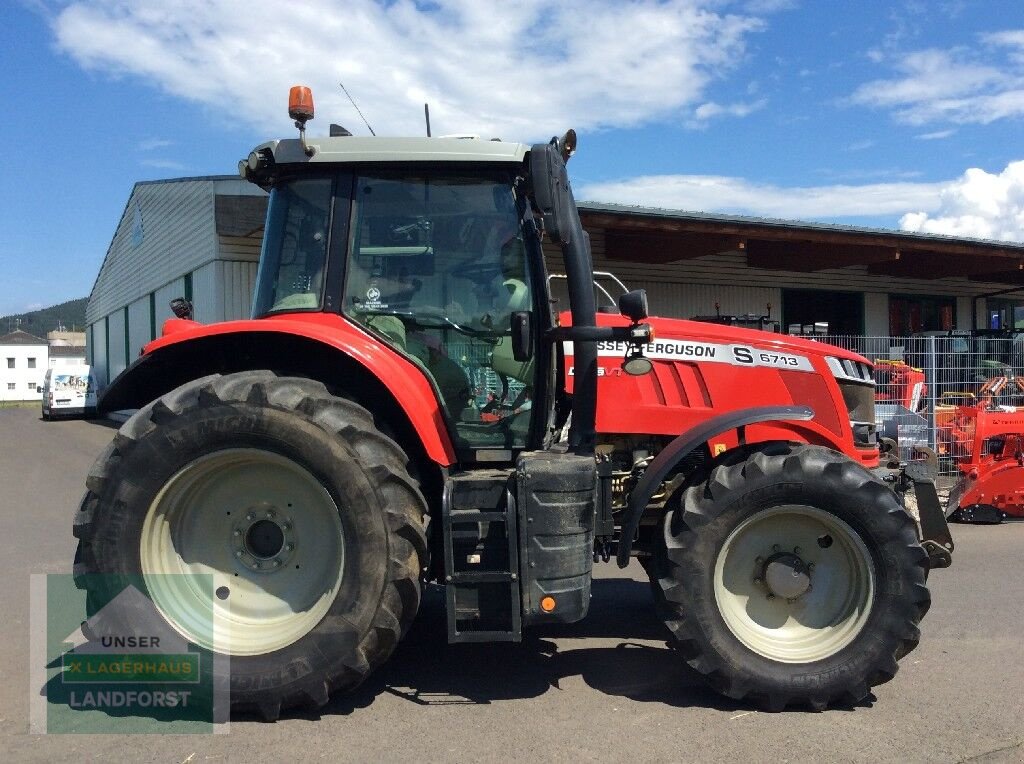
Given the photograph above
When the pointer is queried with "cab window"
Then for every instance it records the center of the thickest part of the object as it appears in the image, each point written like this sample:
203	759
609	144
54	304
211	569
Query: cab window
436	267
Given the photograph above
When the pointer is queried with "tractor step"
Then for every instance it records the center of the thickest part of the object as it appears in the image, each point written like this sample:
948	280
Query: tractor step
481	557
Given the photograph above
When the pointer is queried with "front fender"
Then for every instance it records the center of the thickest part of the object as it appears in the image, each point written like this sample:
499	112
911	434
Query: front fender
673	453
320	346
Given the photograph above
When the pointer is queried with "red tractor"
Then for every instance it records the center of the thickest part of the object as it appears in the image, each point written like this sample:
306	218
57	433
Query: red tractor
289	483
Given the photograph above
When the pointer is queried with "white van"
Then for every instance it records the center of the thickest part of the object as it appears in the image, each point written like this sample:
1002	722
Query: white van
68	391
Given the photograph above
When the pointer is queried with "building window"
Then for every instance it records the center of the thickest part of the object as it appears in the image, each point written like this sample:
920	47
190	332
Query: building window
910	314
10	363
10	385
1005	314
31	363
31	385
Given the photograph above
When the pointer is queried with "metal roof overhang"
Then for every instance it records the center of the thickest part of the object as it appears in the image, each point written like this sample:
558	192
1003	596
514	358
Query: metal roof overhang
662	236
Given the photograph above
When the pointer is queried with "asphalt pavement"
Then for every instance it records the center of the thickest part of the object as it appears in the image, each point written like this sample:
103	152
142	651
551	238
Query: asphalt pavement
605	689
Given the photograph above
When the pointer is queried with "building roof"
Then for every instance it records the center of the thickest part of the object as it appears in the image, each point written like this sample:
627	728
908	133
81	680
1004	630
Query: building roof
67	351
658	236
18	337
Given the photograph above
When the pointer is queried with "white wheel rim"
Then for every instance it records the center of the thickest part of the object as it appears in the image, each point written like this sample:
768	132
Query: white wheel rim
242	551
818	622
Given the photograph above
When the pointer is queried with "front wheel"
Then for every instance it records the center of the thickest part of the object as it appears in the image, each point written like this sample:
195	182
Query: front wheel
791	576
268	521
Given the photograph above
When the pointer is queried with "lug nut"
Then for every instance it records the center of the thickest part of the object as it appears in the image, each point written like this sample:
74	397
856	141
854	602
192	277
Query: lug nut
286	526
238	553
759	560
757	580
810	567
277	563
250	516
256	564
289	547
270	513
775	547
237	532
796	550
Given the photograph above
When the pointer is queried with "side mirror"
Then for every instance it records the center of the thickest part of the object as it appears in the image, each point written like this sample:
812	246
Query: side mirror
522	336
39	389
182	308
633	305
551	193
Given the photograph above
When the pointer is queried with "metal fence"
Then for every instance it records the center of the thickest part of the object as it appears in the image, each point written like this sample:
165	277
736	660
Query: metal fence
923	379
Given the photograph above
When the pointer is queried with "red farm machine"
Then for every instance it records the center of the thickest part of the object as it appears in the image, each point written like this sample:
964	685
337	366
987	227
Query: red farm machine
319	464
987	440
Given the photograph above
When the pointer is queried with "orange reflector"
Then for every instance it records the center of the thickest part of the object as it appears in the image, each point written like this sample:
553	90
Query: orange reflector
300	103
547	604
651	335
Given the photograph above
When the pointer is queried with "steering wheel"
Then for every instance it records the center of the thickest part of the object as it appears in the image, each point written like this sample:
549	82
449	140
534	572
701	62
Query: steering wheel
433	314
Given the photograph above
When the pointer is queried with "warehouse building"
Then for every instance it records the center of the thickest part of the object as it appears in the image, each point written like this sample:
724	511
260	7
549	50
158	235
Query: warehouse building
199	238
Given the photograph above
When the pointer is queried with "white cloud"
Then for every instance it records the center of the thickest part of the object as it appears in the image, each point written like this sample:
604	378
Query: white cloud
522	70
957	86
712	193
154	143
711	110
861	145
978	204
936	135
163	164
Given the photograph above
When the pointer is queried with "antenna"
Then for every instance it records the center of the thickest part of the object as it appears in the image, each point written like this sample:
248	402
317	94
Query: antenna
352	100
426	113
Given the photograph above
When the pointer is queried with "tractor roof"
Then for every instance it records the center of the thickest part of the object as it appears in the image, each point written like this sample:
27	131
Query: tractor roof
362	149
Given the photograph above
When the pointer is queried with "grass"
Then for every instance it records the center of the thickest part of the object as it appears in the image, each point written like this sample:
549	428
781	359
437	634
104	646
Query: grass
19	404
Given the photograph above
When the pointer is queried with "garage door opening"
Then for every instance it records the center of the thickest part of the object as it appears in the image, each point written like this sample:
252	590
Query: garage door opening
832	312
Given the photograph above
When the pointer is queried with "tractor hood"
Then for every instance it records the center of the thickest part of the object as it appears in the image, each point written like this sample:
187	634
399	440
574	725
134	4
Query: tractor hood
680	339
675	328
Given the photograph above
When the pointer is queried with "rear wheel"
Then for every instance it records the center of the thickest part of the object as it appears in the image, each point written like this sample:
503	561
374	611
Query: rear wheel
791	576
268	521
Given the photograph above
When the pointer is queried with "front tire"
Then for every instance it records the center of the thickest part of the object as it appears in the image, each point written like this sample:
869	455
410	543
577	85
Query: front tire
300	514
791	576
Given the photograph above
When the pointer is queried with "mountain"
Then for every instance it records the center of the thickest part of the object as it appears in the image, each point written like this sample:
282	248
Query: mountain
70	315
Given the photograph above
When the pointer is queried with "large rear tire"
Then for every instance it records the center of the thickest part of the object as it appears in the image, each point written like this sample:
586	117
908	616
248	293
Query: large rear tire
300	513
791	576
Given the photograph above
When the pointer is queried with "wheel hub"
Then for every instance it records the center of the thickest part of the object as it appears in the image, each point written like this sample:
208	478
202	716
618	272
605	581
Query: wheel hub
263	541
786	575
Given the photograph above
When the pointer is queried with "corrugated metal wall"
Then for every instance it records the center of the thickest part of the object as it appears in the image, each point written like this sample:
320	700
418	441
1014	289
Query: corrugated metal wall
167	229
118	360
206	294
237	283
138	327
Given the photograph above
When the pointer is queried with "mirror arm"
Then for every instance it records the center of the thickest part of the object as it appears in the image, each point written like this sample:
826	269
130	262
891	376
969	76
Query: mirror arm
635	334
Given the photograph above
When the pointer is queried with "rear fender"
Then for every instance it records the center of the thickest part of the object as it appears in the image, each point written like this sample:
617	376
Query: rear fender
670	456
327	348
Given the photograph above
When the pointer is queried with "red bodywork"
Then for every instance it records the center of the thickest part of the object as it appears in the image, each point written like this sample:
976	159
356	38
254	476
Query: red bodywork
404	379
901	384
677	395
684	391
992	472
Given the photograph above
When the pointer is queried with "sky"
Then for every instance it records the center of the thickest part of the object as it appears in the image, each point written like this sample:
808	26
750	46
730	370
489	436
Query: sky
902	115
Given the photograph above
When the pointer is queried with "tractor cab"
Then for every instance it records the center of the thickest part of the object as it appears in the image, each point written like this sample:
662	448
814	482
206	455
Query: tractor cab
439	263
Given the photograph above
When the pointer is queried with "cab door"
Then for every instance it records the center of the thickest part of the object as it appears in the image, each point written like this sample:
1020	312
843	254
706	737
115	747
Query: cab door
437	267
